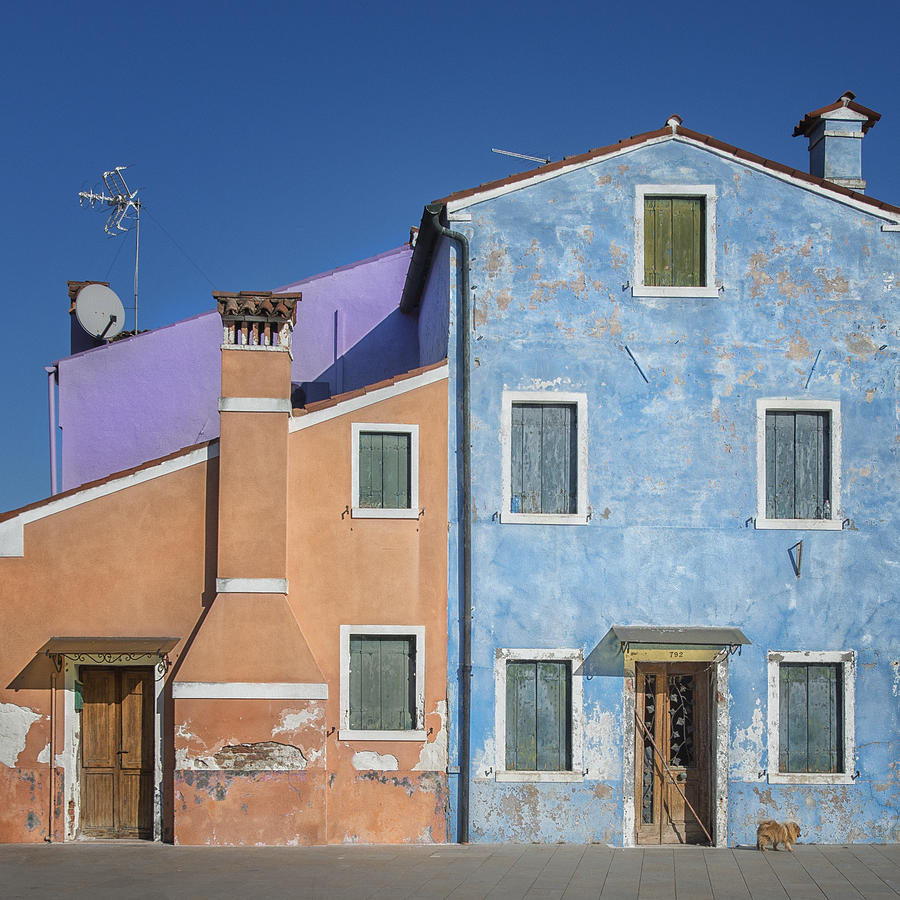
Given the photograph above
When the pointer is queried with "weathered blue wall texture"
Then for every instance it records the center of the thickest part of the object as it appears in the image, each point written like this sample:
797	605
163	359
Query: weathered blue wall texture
803	307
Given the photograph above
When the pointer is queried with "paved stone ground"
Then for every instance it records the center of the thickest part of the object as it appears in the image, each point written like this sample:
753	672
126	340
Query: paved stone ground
135	871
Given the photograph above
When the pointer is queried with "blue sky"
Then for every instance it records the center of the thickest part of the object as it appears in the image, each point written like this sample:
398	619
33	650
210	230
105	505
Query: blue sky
272	141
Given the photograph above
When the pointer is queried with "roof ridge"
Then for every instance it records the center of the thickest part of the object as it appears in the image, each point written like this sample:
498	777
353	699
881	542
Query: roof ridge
668	133
337	399
113	476
347	266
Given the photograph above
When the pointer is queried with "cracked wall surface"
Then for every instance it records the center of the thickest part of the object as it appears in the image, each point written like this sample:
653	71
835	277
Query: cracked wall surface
806	307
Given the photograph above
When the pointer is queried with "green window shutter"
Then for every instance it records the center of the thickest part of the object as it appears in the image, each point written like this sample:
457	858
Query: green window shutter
538	716
521	716
810	718
798	465
674	241
384	470
543	458
825	753
553	750
689	241
370	492
382	682
812	479
658	241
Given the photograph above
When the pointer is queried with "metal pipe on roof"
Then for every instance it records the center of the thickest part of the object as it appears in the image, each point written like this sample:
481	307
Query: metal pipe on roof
51	408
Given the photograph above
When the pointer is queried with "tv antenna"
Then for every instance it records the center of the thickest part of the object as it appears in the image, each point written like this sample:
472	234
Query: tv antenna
124	208
538	159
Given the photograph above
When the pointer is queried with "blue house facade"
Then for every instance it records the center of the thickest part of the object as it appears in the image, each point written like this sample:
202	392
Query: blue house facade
672	564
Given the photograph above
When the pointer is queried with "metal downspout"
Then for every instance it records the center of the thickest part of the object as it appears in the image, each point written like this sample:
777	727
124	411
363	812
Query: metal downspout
51	405
465	448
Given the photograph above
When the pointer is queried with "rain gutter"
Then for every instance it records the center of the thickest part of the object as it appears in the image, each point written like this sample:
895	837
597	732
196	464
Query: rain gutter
431	229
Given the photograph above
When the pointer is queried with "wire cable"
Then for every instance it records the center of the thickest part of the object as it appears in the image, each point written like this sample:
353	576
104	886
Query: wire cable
183	251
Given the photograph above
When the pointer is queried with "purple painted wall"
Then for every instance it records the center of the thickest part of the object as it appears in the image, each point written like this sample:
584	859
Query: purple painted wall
146	396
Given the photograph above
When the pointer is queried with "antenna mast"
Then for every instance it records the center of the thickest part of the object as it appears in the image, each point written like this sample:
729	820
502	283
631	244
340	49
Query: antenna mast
537	159
121	201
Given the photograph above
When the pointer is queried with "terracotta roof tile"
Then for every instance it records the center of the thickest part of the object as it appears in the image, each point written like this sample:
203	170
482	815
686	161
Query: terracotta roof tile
368	389
321	404
809	121
11	514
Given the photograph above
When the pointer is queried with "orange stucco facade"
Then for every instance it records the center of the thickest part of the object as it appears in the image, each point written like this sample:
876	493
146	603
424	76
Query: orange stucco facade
242	561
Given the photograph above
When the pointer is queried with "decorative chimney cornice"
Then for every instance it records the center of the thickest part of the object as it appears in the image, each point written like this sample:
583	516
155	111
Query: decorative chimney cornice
257	320
835	134
845	107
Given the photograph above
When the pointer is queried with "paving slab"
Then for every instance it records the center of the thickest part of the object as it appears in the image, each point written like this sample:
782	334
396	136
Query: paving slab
100	870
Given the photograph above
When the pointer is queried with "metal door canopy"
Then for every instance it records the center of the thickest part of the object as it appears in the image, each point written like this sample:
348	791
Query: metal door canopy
686	636
608	657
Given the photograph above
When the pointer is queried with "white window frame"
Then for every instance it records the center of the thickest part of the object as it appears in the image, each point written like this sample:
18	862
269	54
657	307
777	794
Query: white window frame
708	193
360	512
576	660
346	733
847	660
792	404
579	401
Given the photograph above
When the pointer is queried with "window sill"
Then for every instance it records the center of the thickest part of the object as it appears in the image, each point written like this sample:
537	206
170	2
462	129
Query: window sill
510	518
366	512
535	777
642	290
800	524
810	778
346	734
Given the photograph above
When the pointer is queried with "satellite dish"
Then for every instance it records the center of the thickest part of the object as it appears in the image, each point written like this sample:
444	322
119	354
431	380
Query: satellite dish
99	311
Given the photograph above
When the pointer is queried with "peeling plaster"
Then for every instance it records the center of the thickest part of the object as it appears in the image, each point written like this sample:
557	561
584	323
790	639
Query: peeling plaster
292	720
788	287
836	285
747	748
798	347
267	756
602	745
433	757
759	278
483	765
44	755
861	345
364	760
15	722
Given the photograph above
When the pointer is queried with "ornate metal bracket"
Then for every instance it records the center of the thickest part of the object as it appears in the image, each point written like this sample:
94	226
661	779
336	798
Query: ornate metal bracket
102	658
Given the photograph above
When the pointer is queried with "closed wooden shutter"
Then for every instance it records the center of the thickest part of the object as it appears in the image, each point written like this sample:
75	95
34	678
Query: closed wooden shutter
538	716
544	458
382	682
810	718
674	241
798	465
384	469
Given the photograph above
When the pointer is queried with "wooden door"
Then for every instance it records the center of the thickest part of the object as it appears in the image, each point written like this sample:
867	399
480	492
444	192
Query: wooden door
672	705
117	752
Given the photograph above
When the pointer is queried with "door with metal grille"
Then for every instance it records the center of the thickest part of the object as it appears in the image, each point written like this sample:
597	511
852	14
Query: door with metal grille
672	753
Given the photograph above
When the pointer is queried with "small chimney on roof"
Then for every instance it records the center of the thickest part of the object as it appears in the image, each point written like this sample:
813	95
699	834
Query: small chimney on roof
835	135
79	339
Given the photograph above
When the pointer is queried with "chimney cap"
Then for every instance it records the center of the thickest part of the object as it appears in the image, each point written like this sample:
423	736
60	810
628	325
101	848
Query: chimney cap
847	101
673	122
258	305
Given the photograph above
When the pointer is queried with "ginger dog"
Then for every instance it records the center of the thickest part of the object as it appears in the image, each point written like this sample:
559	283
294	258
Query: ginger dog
775	833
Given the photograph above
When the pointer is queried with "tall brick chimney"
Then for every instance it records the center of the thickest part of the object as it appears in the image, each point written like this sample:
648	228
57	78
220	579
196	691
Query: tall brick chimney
249	665
835	135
